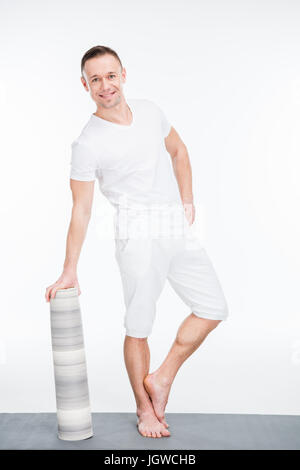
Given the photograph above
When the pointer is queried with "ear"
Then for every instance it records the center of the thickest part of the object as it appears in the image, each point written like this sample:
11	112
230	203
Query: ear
84	83
123	75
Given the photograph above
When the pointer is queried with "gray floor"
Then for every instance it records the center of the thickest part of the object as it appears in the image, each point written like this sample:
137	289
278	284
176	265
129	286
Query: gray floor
118	431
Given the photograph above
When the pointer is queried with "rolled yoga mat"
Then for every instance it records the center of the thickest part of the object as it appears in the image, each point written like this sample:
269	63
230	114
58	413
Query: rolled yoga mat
70	372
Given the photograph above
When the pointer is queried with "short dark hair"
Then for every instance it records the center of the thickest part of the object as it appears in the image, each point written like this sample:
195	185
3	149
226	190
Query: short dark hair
98	51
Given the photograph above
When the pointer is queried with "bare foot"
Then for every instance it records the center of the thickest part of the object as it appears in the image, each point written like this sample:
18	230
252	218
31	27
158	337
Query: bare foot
149	426
158	393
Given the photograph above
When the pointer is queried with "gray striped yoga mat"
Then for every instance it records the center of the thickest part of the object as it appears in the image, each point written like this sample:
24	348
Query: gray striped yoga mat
70	372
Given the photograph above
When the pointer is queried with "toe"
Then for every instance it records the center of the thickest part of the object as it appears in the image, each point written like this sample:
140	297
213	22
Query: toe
142	432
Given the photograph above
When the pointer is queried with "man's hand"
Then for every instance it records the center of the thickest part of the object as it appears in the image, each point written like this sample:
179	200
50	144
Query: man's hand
189	210
66	280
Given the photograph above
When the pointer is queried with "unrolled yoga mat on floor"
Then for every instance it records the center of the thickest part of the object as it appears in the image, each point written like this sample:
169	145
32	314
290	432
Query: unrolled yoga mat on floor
70	371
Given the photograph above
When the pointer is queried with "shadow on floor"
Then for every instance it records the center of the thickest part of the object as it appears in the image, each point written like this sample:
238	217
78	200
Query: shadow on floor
118	431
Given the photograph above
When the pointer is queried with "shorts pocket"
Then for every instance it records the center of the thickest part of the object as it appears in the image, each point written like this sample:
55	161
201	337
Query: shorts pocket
193	244
134	256
122	244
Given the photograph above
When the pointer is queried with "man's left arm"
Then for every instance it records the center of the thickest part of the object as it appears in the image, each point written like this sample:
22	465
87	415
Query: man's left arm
183	171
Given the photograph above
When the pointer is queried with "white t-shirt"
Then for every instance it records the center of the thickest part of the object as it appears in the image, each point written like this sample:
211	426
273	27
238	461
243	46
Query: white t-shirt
130	162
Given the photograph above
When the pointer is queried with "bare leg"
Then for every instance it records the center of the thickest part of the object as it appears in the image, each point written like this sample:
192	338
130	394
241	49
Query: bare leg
190	335
137	359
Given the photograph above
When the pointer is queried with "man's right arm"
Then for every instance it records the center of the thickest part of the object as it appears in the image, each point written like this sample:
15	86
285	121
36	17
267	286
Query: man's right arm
82	193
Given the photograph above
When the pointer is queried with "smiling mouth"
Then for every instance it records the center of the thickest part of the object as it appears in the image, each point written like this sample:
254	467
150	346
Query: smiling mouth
109	94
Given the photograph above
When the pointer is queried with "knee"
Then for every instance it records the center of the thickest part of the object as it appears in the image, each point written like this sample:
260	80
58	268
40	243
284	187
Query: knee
136	338
194	334
207	323
210	325
213	324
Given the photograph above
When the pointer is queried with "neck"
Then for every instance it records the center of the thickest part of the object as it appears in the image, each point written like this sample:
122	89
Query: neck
119	113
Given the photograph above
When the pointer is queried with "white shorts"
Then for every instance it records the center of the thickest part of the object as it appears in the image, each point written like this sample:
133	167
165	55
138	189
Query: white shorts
145	264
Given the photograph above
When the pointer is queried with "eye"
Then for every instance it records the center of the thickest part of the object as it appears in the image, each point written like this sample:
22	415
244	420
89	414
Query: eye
111	75
94	79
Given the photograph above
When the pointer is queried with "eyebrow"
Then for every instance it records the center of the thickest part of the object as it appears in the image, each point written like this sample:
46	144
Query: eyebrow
99	75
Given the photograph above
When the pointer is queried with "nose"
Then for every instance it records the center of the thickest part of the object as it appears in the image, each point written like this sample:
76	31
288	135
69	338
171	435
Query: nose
103	88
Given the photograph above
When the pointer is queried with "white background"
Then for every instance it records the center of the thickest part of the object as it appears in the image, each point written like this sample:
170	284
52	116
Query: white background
226	74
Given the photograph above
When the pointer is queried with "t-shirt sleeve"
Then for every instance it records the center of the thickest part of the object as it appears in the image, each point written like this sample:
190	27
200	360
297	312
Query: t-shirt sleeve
83	163
165	124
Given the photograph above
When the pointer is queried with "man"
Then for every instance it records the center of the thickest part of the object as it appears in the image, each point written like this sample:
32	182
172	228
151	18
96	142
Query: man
132	150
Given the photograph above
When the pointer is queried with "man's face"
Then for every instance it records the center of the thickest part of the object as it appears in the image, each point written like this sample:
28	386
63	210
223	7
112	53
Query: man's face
104	80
